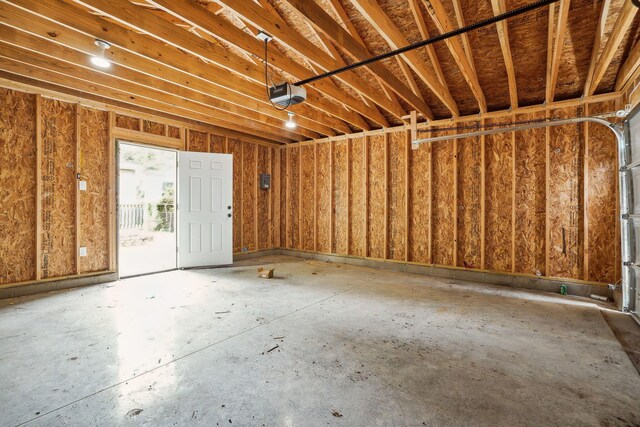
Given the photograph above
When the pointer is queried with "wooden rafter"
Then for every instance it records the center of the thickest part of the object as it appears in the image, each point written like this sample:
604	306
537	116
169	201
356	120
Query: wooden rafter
466	45
443	23
253	13
124	12
622	24
597	43
325	23
35	24
223	29
424	33
503	35
394	37
555	44
629	67
406	72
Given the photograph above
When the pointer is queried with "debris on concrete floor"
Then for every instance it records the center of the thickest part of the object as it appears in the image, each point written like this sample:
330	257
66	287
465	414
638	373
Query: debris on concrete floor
336	414
134	412
265	273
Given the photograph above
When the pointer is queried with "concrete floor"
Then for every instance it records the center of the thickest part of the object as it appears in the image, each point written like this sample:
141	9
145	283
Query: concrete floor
355	346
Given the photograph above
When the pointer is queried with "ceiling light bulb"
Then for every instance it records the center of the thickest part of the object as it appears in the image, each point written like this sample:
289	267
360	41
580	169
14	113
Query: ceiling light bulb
290	124
100	60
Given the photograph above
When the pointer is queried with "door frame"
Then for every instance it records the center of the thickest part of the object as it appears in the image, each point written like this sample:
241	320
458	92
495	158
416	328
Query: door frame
120	141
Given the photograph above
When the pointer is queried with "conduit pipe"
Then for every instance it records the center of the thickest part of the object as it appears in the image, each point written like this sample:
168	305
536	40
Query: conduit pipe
624	177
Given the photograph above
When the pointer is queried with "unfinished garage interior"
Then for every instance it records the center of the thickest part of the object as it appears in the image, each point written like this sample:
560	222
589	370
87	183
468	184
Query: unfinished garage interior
319	212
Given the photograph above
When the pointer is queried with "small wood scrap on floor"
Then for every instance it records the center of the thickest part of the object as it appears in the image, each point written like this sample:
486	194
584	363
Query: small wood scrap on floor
265	273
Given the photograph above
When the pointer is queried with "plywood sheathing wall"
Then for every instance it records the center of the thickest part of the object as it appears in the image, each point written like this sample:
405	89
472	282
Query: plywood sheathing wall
18	186
76	140
495	203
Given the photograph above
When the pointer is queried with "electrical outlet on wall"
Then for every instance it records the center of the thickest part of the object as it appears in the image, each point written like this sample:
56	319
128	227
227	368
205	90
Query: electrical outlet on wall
83	185
83	251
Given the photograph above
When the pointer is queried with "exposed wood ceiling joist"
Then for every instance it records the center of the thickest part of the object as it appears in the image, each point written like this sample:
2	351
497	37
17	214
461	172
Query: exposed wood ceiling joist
557	30
503	34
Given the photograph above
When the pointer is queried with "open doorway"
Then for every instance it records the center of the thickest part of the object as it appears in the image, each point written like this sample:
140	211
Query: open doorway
146	209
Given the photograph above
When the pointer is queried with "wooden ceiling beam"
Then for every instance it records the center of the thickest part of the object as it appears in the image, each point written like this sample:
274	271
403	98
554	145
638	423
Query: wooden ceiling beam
49	76
406	72
225	30
499	7
394	37
556	34
325	23
49	19
597	44
424	33
124	12
629	67
122	90
81	60
626	15
466	45
439	16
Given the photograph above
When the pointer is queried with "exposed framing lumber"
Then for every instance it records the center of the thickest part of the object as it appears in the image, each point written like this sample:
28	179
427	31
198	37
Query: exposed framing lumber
78	176
35	17
407	197
555	43
277	242
513	198
348	195
424	33
269	198
315	196
386	197
38	173
454	213
394	37
585	201
597	43
547	181
430	207
629	67
325	23
300	198
466	45
255	199
503	35
365	155
441	19
623	22
331	204
288	238
241	196
483	197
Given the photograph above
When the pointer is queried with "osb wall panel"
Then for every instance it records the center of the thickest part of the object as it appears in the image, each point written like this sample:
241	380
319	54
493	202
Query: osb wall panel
294	191
419	217
216	144
341	187
357	198
443	199
377	194
530	197
498	198
275	198
94	203
58	188
174	132
308	200
264	222
18	186
601	204
154	128
284	199
127	122
469	158
235	148
396	195
323	200
249	182
565	196
198	142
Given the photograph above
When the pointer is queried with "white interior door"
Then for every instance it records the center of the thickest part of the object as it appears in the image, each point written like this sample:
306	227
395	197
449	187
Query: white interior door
205	216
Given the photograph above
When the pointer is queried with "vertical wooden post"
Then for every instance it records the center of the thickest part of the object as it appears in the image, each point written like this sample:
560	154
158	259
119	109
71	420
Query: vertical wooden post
455	202
386	196
287	224
112	195
208	142
407	197
366	195
255	197
166	130
482	197
300	246
513	199
140	125
241	222
78	170
38	207
187	139
585	201
430	209
331	213
270	197
226	144
277	183
315	196
547	228
348	237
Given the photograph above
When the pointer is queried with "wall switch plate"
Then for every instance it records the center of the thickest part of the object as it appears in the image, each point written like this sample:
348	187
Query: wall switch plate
83	251
83	185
